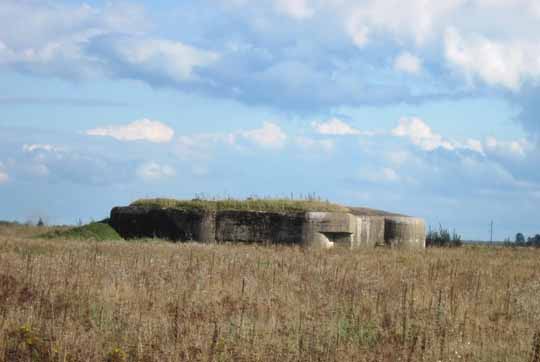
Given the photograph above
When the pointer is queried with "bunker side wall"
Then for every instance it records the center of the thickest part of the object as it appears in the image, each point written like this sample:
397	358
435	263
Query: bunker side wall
369	231
139	222
260	227
406	232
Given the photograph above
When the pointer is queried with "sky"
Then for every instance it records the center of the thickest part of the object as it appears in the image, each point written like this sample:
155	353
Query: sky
426	108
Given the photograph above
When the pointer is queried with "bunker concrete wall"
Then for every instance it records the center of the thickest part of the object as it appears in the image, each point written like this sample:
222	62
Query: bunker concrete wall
262	227
405	232
326	229
313	229
141	222
369	231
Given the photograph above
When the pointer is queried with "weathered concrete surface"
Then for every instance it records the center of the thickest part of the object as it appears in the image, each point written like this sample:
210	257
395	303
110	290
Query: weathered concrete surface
143	222
406	232
360	228
369	231
261	227
327	229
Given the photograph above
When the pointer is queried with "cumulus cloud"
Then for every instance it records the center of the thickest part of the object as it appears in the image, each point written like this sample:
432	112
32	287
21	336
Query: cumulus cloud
498	63
55	35
421	134
270	135
156	60
514	148
84	41
203	146
299	9
153	171
41	147
474	145
142	130
408	63
335	127
302	66
417	21
76	164
4	177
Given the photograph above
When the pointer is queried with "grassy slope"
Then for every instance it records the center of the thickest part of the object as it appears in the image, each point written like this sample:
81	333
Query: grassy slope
77	301
272	205
94	231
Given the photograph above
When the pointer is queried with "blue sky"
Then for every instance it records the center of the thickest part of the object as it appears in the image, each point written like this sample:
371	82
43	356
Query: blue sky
429	108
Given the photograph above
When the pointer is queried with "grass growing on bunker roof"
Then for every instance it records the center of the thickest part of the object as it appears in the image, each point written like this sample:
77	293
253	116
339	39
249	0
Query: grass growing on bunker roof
250	204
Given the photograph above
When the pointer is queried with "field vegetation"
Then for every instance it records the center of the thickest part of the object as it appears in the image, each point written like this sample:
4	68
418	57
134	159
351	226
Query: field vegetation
96	231
250	204
76	300
443	238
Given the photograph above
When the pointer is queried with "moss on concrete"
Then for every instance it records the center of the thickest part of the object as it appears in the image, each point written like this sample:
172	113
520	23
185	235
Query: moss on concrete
268	205
95	231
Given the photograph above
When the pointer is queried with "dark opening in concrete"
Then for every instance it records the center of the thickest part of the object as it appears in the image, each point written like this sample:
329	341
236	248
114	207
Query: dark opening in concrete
339	238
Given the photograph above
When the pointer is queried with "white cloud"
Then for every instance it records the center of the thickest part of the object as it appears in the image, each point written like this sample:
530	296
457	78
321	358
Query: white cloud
359	33
497	63
4	177
408	63
513	148
474	145
56	34
170	60
201	147
336	127
153	171
84	41
41	147
143	130
419	20
269	136
421	134
298	9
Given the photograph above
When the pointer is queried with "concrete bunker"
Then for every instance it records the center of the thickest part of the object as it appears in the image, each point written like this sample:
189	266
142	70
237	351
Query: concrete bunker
341	226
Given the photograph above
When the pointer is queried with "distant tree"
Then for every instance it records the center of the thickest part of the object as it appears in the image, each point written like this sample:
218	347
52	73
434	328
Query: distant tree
443	238
520	238
534	241
40	222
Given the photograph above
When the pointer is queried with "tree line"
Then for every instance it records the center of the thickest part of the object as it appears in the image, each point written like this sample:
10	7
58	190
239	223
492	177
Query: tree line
531	241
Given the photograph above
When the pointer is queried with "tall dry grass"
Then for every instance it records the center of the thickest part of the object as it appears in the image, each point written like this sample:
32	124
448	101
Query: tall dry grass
75	301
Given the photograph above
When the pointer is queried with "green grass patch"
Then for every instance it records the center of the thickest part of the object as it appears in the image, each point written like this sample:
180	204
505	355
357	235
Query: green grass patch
95	231
251	204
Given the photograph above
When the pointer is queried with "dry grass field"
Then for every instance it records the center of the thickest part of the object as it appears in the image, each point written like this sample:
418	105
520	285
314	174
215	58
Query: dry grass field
68	300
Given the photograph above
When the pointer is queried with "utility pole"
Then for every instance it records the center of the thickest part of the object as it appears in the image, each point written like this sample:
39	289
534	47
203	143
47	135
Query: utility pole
491	232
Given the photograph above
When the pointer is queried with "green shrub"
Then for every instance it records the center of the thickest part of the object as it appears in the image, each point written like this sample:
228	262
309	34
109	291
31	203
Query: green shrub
443	238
